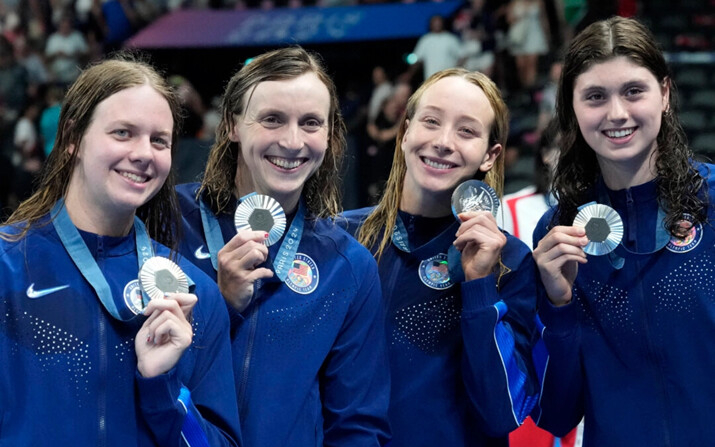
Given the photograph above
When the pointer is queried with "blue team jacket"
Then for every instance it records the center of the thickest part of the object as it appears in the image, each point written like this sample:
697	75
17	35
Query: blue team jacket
632	352
309	354
459	350
68	368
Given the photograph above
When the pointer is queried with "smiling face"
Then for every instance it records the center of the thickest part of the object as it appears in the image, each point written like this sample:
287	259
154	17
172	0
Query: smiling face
283	137
446	143
123	160
619	106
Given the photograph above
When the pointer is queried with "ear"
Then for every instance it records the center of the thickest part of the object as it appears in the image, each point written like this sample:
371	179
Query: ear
233	132
490	157
404	137
70	149
665	89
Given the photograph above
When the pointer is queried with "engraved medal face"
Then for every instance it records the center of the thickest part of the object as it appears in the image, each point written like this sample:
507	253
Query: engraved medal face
474	195
160	275
604	228
261	213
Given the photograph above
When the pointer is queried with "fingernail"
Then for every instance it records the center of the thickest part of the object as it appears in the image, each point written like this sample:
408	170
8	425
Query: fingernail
265	236
148	339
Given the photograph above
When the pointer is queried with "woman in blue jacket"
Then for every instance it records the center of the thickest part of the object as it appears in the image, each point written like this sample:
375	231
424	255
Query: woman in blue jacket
459	294
627	332
84	362
308	345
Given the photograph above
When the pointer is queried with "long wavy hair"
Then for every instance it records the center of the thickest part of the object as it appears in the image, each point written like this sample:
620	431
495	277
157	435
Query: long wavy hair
379	225
95	84
322	190
678	182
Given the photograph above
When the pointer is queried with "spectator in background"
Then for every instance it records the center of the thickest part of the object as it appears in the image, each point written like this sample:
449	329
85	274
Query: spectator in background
436	50
50	117
27	158
66	51
527	38
381	91
382	131
476	27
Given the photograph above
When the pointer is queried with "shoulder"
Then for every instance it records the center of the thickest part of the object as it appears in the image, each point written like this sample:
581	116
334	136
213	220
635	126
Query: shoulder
346	247
352	220
186	194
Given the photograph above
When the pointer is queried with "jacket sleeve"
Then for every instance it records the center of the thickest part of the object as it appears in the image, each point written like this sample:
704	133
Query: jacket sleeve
354	382
196	407
497	327
557	361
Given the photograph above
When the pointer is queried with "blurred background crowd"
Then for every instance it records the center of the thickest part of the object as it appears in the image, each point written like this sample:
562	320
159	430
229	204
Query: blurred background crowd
44	44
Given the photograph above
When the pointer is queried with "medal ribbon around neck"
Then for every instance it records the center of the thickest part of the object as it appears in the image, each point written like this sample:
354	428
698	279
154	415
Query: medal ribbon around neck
662	236
286	253
454	256
83	259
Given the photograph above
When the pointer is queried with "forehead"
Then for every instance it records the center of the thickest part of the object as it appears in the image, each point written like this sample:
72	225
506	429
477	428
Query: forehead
459	96
142	104
613	72
301	94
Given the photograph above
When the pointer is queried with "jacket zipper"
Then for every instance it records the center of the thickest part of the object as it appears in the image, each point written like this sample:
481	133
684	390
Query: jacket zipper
245	369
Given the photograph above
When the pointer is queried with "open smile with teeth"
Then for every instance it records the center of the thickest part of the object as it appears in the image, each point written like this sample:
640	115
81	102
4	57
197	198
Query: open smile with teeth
135	177
285	163
619	133
437	165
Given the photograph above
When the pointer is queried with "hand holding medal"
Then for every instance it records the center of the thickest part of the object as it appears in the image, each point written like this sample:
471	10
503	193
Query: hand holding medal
478	239
260	223
167	332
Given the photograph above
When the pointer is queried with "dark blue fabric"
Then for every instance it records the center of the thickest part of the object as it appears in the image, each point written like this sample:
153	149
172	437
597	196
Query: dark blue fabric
453	382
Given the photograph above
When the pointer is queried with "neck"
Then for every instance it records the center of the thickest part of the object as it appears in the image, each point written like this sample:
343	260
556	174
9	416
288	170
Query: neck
426	205
243	187
96	221
618	175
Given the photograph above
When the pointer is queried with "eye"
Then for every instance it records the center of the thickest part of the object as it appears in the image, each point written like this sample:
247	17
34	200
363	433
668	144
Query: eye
313	124
468	131
161	142
271	121
595	96
430	122
633	91
122	134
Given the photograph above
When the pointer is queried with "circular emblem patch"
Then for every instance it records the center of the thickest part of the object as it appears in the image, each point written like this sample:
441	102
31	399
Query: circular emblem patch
690	241
303	275
434	272
133	297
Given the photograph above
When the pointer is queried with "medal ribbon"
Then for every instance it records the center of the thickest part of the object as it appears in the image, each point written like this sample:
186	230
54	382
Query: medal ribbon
286	253
83	259
454	256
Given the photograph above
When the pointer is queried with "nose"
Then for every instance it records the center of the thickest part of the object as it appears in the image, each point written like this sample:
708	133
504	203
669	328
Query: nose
142	150
617	110
291	138
444	141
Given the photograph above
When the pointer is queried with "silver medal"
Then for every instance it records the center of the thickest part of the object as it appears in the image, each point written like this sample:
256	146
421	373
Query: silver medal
604	228
474	195
261	213
159	276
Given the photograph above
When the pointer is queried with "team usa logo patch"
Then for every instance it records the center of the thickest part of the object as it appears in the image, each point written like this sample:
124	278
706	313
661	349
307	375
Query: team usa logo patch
303	276
690	241
434	272
133	297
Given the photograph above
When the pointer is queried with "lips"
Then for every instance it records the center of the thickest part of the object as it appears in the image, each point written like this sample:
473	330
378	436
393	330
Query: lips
285	163
619	133
437	164
136	178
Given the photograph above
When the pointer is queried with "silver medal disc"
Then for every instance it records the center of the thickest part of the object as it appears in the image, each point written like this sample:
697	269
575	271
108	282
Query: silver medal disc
474	195
160	275
604	228
261	213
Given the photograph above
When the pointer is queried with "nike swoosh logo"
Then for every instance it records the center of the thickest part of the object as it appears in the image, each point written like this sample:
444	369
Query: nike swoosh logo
32	293
201	254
